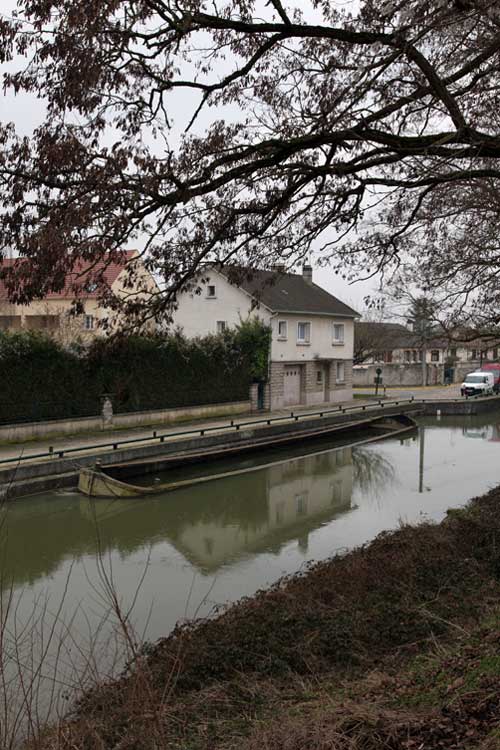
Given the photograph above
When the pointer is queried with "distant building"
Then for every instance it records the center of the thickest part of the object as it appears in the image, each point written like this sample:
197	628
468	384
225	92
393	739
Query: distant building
53	313
388	343
399	351
312	331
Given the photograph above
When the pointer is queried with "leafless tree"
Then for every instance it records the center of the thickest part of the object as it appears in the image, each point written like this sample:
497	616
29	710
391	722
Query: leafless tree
368	131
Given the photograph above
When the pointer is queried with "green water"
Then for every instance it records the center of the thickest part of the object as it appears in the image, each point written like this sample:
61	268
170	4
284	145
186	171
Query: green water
182	554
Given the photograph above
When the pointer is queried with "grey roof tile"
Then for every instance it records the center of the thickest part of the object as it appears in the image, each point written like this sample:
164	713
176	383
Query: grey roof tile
287	292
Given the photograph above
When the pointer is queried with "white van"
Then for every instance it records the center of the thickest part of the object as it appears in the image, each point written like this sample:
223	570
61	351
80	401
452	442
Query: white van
478	384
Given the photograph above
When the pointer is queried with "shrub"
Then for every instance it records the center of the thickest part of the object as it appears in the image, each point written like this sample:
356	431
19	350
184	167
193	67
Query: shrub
43	380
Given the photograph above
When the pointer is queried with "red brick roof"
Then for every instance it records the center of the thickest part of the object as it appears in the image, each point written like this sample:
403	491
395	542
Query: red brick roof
83	273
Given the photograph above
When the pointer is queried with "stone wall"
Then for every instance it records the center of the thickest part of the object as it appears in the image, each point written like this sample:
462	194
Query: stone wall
314	391
276	385
398	374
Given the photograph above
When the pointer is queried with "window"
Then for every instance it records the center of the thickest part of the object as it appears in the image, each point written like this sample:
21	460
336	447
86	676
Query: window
453	353
211	291
388	357
338	333
473	354
407	355
495	354
340	372
221	326
435	355
414	355
301	504
88	323
319	376
303	333
282	329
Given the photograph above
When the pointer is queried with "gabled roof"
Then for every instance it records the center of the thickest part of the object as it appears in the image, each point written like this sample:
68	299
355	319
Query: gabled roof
80	277
395	336
287	292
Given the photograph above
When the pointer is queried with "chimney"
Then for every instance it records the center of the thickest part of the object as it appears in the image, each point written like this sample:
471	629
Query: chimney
307	273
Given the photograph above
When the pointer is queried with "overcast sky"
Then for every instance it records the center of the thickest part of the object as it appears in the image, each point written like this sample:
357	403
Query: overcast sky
27	112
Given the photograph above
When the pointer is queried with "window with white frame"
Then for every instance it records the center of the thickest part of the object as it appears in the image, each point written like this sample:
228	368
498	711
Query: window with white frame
88	323
282	330
340	372
319	376
211	291
338	333
303	333
435	355
221	326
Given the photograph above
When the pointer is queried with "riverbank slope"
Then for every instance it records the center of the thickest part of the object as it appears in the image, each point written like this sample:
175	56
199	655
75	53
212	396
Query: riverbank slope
394	645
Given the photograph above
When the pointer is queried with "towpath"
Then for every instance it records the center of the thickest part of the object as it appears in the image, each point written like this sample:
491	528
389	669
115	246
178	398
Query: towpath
90	440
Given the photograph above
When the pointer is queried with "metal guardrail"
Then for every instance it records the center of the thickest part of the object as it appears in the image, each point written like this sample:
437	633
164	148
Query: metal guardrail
201	431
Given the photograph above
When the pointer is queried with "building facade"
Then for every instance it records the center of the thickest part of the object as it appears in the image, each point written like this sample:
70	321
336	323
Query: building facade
54	314
312	340
399	353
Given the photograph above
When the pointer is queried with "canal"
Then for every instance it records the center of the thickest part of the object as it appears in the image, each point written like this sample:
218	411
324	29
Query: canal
185	553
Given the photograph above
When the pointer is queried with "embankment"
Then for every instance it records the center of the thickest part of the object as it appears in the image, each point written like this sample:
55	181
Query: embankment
394	645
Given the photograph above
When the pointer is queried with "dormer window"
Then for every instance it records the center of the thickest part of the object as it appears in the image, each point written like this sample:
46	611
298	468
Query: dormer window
211	291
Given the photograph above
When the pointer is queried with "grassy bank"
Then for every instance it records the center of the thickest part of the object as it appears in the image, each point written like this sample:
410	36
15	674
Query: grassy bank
395	645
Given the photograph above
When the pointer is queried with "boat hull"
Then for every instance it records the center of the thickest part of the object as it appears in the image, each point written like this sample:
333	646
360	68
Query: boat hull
99	483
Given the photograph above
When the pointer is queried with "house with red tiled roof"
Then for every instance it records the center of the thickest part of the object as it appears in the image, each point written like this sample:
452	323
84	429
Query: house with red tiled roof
85	282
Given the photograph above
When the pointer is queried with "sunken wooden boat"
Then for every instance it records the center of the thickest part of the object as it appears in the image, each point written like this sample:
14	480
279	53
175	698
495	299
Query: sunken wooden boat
109	481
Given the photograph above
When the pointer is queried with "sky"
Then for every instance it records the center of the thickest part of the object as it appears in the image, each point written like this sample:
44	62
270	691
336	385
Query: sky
27	112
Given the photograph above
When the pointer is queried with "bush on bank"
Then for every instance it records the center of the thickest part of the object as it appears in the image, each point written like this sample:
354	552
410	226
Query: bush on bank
41	379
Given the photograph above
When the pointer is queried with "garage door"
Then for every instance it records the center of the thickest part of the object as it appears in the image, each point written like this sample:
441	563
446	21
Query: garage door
292	385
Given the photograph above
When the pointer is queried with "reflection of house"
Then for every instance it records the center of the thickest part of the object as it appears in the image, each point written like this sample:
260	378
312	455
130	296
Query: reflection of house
52	314
312	331
298	494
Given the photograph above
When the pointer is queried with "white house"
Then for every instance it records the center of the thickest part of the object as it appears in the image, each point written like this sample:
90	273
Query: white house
312	331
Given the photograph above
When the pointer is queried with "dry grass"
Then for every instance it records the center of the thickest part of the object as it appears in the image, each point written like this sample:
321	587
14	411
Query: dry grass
287	668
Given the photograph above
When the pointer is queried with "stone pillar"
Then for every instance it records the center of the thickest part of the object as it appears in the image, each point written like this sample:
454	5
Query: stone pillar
267	397
254	397
276	385
107	413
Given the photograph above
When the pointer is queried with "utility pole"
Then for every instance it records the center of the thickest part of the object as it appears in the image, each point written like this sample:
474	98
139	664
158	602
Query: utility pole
421	440
424	355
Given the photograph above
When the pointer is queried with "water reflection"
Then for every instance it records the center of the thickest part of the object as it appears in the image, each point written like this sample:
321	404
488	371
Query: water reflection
210	525
243	518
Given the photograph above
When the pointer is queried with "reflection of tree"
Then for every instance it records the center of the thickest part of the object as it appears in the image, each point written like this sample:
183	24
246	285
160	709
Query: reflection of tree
372	471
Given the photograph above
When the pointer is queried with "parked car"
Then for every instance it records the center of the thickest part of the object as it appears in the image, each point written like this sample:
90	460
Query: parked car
493	367
478	383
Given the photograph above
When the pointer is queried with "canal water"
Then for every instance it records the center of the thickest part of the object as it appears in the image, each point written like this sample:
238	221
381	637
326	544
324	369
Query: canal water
182	554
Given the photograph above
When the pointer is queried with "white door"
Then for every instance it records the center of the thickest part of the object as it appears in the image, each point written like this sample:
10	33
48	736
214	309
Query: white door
292	385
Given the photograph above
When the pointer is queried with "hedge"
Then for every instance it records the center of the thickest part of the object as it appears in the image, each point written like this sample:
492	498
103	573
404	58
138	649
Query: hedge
40	379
